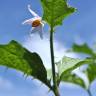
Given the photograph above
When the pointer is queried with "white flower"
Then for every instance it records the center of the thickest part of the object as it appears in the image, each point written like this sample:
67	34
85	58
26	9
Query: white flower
36	22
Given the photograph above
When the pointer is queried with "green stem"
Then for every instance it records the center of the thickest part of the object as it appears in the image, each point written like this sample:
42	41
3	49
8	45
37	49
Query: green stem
55	87
89	92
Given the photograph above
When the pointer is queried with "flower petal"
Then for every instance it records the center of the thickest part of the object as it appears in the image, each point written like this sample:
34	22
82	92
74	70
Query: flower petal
38	30
28	21
42	24
34	30
32	12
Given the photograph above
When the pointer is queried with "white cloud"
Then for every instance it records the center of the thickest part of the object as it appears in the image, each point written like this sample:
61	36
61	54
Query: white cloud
42	47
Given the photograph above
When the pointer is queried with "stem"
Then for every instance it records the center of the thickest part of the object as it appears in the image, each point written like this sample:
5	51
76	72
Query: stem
55	87
89	92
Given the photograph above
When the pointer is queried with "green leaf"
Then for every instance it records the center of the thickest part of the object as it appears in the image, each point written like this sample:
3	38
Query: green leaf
49	74
13	55
55	11
82	49
68	64
72	78
91	72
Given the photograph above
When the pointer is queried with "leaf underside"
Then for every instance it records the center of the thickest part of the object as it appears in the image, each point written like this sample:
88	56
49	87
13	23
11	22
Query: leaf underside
67	65
72	78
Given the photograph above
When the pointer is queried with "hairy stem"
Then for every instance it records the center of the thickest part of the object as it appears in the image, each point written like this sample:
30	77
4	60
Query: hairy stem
55	87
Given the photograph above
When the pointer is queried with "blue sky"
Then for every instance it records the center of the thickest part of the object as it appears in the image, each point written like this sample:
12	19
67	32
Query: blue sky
79	28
